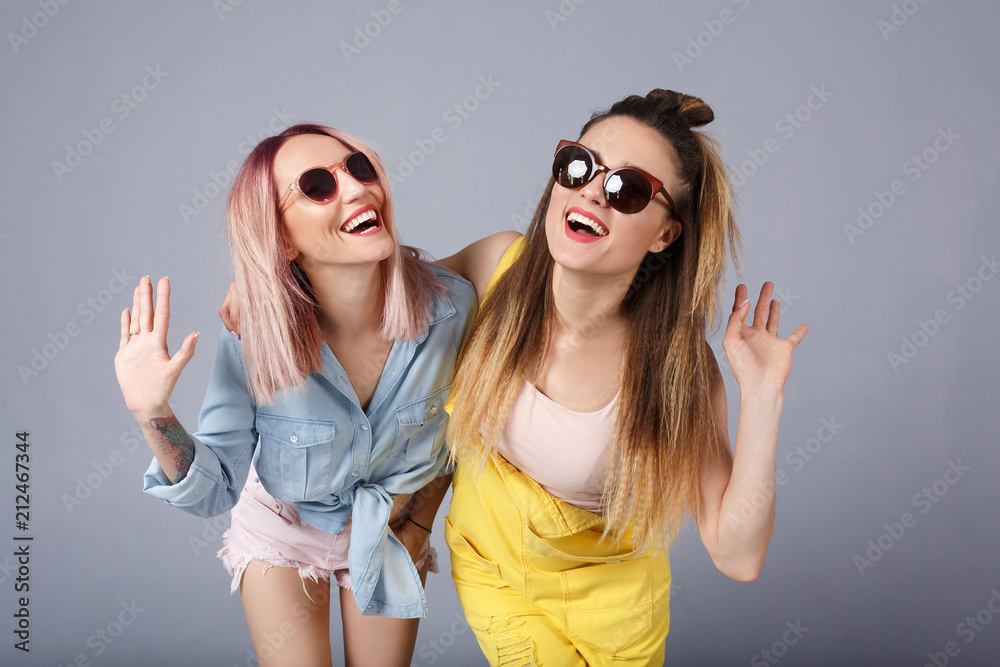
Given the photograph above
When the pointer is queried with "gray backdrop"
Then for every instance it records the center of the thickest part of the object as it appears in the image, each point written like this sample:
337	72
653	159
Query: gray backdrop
863	140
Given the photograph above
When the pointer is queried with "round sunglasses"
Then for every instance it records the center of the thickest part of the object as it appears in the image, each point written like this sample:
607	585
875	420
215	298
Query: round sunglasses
626	189
319	184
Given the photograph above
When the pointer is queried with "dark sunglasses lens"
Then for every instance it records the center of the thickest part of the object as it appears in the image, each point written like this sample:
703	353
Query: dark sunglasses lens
319	185
361	168
627	191
572	167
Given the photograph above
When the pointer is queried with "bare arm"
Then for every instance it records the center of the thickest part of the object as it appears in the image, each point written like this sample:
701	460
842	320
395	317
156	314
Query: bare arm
171	445
477	261
737	492
147	375
415	532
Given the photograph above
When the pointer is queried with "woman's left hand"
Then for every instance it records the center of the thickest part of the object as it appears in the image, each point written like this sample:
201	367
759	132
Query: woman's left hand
759	358
413	537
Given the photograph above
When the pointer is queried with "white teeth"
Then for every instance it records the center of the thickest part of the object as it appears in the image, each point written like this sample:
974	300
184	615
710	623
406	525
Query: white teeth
584	220
363	218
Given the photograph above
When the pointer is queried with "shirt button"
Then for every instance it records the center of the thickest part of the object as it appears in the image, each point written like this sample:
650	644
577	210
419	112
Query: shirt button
434	409
364	427
354	474
256	479
294	438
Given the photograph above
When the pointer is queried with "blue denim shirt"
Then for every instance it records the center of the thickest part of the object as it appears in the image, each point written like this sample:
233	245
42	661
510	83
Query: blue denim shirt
319	449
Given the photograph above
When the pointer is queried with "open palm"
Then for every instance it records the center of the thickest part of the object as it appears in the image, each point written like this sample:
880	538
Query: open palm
758	357
146	371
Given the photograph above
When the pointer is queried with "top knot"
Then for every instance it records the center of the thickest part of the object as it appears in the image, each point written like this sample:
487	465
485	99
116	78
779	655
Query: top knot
690	108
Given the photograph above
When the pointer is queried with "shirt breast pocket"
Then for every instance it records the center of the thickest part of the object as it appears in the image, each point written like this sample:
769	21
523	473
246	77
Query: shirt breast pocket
297	455
420	427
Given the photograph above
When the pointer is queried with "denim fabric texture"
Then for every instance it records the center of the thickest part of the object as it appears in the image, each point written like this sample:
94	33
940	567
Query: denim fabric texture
317	448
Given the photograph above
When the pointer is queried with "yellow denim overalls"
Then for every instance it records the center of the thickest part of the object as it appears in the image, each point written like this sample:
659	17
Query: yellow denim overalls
535	584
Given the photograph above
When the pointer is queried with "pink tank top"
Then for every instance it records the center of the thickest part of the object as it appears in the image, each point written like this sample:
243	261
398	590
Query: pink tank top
565	451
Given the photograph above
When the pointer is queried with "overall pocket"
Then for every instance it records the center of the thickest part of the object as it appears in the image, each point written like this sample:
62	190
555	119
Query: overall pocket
609	605
297	454
474	567
420	427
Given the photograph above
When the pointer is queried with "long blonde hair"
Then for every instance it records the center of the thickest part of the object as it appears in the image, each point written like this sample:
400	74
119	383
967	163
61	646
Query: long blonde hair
664	431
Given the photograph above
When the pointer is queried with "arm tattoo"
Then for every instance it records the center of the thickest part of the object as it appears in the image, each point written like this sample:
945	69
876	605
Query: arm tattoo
175	442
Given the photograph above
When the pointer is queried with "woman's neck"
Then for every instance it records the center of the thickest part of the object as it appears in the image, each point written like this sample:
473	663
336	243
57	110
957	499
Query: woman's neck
588	306
350	300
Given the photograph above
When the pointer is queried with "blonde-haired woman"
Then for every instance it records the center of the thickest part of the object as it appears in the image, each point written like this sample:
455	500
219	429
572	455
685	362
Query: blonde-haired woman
322	428
588	412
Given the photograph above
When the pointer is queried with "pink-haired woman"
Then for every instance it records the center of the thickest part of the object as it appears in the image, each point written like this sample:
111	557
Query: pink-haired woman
323	425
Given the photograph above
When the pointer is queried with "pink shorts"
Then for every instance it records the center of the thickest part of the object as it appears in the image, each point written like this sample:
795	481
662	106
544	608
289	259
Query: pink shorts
269	531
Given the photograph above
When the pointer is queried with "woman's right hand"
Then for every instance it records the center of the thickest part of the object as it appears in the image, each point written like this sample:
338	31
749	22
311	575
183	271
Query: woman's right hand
230	311
146	371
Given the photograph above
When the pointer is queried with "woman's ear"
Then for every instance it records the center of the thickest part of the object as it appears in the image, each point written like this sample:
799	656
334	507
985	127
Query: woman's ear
669	235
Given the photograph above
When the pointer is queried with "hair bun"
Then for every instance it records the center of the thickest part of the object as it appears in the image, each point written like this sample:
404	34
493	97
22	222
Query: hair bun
692	109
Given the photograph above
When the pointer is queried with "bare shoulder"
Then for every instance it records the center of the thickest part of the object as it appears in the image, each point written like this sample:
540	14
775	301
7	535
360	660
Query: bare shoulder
477	261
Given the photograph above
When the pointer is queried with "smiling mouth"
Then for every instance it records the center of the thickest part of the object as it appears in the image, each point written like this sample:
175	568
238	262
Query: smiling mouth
585	226
362	223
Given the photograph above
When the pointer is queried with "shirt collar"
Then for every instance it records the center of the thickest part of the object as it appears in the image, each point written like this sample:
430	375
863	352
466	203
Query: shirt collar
441	308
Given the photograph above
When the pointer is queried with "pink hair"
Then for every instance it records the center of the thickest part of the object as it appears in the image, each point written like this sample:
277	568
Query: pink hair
281	341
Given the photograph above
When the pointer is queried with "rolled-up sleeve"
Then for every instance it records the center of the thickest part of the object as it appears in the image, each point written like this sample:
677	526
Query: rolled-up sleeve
223	445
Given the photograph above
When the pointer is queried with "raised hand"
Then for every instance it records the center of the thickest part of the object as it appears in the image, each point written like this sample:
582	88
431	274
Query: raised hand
146	371
758	357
